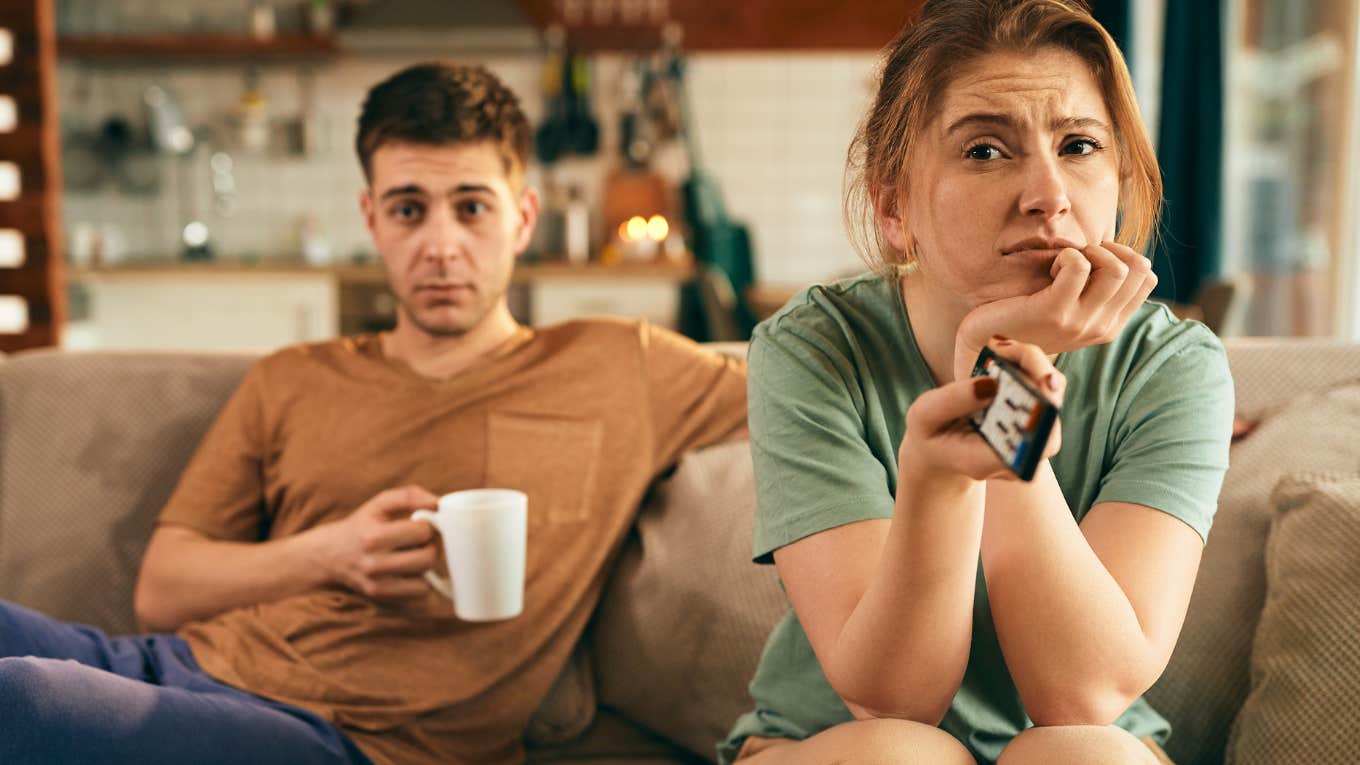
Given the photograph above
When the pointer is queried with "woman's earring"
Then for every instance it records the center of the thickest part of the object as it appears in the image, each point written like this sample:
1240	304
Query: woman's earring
910	259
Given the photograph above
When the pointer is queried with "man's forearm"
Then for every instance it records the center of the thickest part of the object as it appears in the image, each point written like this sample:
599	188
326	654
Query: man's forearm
187	576
1070	636
903	650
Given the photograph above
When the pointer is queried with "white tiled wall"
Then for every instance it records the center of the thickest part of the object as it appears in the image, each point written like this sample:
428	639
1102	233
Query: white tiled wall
773	128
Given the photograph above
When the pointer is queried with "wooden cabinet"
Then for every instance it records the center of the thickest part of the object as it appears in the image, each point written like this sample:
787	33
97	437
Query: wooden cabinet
656	300
709	26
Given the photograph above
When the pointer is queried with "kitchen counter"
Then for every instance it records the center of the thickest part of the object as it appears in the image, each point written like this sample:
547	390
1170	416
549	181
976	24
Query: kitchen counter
525	272
232	304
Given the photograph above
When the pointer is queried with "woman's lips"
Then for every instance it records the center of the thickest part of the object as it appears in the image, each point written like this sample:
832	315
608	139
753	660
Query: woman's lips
1040	247
1041	254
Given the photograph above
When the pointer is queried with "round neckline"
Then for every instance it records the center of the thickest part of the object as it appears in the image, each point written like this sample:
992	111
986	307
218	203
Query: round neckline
1059	363
373	346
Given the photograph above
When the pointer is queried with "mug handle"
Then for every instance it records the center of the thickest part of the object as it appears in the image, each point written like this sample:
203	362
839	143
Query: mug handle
440	583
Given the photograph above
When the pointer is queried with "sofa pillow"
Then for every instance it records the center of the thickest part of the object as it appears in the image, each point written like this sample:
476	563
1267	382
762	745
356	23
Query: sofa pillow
1207	679
1305	664
685	615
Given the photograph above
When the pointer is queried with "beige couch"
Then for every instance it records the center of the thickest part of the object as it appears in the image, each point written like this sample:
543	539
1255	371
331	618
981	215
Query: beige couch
91	445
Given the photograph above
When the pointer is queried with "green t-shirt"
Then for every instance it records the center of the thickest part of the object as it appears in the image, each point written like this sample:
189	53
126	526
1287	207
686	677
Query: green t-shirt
1146	419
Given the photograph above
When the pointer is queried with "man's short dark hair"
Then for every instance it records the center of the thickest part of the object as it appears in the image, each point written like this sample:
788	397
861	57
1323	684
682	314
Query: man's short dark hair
437	104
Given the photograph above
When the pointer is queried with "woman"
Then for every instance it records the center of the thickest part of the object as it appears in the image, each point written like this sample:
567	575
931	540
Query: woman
943	611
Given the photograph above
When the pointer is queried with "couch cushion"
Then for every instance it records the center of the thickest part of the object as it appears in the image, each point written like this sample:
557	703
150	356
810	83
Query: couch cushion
615	740
1208	677
1305	663
569	707
685	614
91	446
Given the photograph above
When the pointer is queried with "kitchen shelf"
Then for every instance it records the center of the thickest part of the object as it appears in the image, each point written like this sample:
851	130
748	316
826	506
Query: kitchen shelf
196	47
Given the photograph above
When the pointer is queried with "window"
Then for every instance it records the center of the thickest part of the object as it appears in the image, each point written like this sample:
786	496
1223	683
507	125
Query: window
1291	162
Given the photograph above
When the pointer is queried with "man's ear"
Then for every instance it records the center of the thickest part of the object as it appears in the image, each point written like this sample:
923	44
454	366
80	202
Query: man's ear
528	218
888	217
366	207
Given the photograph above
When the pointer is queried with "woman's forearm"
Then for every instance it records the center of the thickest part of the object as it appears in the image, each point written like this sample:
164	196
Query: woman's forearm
1070	636
903	650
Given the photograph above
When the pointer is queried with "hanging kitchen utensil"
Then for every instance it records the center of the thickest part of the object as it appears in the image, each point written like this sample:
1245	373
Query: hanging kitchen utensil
636	139
662	98
550	140
169	133
583	130
717	240
82	169
128	158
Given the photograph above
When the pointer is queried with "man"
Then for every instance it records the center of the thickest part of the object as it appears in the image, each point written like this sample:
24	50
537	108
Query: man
285	563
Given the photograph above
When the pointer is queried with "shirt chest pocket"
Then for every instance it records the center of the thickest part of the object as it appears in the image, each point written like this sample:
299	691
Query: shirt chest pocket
553	460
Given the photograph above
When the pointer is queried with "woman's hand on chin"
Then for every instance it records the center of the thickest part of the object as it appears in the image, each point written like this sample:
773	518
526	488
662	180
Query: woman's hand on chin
1093	294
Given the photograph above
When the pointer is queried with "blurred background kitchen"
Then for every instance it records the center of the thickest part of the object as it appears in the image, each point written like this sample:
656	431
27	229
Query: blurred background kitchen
182	175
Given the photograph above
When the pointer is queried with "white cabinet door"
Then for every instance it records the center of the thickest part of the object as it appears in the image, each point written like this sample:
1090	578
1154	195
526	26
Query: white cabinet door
556	300
207	312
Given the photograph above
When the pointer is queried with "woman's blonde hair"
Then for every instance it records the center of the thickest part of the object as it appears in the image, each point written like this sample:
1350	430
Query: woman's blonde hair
925	58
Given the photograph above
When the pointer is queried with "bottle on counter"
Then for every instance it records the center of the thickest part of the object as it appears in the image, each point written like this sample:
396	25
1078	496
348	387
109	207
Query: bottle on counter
577	227
263	23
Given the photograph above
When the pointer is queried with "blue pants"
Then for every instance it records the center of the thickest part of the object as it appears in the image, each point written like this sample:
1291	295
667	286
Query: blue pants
71	694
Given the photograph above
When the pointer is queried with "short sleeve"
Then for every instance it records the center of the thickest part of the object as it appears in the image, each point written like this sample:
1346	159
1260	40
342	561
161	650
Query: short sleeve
814	469
697	397
1173	433
221	493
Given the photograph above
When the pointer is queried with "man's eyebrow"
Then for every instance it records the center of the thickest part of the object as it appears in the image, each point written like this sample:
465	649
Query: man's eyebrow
397	191
469	188
462	188
1007	121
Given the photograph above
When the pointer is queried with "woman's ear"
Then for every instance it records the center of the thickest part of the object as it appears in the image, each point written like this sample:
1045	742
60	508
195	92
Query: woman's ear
888	217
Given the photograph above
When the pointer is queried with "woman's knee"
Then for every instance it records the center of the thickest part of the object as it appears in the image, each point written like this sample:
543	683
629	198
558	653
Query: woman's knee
876	742
1076	745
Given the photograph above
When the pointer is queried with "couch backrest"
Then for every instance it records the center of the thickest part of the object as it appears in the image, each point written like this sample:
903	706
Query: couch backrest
91	445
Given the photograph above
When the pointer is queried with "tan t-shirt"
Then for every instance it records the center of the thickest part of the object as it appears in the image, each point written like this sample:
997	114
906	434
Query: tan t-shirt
582	417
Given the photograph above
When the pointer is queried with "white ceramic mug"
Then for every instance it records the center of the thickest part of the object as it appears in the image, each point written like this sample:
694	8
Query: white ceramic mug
484	533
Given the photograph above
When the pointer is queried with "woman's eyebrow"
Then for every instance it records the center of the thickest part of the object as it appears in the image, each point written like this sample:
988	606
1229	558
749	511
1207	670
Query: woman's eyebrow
980	119
1009	122
1078	123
